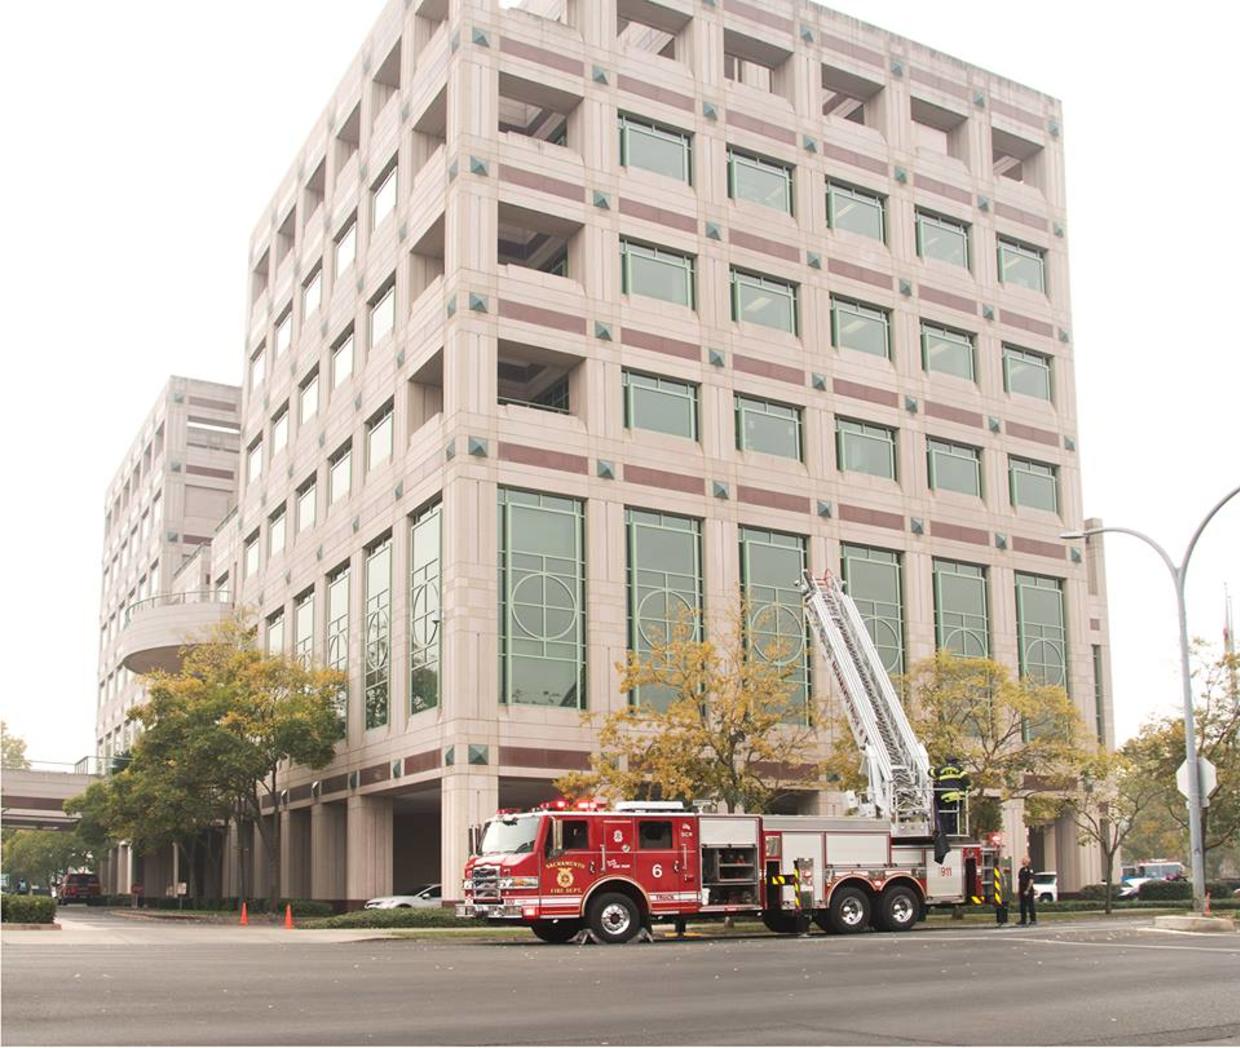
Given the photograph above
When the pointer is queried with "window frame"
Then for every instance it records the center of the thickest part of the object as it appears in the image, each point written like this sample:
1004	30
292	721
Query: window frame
744	402
766	165
889	434
1044	470
346	234
343	454
1045	361
860	309
389	176
689	392
859	195
946	567
348	338
947	223
1029	252
738	276
953	449
384	416
628	122
953	336
655	253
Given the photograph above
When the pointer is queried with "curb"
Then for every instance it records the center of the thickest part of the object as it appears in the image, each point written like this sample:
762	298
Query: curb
1195	922
10	926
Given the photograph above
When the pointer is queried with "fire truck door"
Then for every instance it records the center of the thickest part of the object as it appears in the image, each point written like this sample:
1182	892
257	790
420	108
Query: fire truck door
687	845
804	846
618	851
659	860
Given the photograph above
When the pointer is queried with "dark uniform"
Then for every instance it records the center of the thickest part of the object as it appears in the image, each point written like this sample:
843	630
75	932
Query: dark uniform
1028	901
951	786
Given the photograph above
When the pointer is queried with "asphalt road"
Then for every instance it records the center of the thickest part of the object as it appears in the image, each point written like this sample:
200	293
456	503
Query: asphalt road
1086	983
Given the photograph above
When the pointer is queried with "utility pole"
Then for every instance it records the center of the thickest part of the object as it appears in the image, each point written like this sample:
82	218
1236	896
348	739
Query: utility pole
1178	574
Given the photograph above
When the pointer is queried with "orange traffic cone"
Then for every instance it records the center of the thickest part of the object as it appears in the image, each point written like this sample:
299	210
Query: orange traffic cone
1207	910
288	915
245	917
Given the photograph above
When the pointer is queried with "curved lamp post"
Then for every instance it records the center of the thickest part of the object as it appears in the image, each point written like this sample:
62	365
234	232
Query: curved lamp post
1178	573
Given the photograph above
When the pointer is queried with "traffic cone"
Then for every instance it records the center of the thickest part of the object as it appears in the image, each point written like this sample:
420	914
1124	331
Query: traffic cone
288	915
245	916
1207	911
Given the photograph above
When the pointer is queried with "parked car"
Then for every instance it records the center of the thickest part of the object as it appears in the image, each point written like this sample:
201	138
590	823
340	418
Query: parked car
1153	870
1046	886
422	898
80	887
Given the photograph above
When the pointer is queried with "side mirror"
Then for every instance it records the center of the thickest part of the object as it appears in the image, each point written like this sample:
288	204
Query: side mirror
474	839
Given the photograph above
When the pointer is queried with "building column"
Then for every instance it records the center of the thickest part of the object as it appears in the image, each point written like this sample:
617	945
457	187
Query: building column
230	877
295	854
1015	835
369	867
469	798
328	851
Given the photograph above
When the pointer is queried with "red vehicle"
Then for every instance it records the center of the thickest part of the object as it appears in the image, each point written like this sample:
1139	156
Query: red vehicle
79	887
562	869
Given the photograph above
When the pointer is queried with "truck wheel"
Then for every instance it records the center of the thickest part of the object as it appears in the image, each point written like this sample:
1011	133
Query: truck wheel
850	910
614	917
781	922
898	909
555	931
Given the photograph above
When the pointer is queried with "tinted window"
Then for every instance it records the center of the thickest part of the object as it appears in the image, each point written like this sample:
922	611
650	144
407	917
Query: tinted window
654	835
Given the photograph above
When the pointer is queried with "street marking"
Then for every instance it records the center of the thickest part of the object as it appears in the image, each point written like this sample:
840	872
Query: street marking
1075	942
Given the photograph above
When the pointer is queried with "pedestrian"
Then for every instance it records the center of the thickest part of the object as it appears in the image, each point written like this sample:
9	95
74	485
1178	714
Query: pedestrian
1024	882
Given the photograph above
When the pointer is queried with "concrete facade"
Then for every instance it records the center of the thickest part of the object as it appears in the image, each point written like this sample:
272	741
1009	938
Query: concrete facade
493	334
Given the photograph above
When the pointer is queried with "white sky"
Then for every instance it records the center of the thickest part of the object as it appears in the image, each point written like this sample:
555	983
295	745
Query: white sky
143	139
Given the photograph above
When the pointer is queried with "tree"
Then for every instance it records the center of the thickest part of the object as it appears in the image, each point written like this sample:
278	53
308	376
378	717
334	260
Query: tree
218	730
1015	737
42	856
730	726
12	750
1113	794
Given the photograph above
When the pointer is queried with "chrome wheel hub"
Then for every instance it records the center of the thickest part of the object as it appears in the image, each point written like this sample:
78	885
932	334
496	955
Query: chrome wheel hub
615	919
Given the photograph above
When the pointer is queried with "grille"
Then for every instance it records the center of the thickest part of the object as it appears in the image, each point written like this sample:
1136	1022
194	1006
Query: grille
486	882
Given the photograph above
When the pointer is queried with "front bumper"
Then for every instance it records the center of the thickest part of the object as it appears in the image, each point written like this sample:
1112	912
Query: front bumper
490	910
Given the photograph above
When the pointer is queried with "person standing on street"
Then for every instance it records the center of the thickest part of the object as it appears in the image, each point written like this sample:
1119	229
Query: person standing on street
1024	881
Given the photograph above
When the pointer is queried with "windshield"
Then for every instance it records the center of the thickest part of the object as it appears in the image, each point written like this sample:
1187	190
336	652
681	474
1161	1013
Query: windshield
510	835
1043	878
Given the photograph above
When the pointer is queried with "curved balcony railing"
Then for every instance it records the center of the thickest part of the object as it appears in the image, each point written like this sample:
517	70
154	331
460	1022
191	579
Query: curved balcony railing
174	600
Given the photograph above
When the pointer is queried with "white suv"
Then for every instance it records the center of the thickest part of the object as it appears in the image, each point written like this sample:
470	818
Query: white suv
1046	886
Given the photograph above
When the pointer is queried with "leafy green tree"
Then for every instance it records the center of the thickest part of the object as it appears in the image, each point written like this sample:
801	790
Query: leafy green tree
12	750
1016	737
735	729
42	856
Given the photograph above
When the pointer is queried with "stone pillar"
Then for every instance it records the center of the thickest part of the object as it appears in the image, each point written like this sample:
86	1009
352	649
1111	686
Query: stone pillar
369	869
230	878
470	797
328	851
295	854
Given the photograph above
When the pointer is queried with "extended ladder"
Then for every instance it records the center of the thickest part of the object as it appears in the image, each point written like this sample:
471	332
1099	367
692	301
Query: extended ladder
896	765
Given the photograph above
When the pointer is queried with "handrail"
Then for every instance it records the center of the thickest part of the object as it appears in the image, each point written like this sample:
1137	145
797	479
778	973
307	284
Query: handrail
172	600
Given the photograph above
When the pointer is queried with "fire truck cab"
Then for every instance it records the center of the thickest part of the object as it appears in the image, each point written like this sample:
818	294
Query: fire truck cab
564	868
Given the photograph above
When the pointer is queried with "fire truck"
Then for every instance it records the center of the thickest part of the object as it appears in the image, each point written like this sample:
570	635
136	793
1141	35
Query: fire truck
565	868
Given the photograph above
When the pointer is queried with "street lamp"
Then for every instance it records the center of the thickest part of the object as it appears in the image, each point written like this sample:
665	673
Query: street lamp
1178	573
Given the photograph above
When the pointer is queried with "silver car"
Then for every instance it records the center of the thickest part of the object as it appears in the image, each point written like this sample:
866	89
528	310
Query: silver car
424	898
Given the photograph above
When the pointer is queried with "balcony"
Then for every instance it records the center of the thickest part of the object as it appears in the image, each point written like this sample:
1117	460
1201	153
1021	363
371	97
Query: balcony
155	630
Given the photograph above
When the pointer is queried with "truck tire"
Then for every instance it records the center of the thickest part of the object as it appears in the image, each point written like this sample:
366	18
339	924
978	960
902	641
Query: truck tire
850	910
781	922
898	909
555	931
614	917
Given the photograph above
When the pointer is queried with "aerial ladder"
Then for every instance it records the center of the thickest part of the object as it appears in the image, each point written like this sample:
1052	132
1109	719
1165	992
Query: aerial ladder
897	768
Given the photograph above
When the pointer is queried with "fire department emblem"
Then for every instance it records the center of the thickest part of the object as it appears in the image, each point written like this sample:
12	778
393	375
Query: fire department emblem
564	877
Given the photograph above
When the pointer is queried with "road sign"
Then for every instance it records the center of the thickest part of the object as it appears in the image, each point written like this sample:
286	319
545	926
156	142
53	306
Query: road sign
1209	779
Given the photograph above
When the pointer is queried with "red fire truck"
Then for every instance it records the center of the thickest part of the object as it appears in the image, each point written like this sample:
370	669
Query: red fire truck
565	868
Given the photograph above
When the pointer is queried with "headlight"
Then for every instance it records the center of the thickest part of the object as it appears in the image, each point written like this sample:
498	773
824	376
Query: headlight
518	882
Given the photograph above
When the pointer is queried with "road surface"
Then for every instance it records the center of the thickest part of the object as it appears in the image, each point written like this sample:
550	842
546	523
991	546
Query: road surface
1116	982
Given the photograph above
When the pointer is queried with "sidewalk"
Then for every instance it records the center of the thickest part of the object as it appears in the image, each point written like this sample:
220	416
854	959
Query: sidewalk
119	931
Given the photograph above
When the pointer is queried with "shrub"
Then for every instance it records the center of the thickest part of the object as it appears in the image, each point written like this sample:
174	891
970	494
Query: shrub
27	909
1099	891
308	907
405	918
1165	890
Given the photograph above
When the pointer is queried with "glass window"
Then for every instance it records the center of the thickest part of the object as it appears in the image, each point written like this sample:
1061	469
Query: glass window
954	467
425	609
1027	372
254	461
308	399
312	292
379	438
377	633
856	210
766	182
657	273
383	196
258	368
1100	709
764	300
664	405
862	447
941	238
866	329
337	637
1041	629
279	431
768	426
961	614
382	315
654	835
340	475
542	599
284	332
342	360
253	553
346	246
1034	484
303	628
1022	265
872	577
275	633
664	583
275	532
307	496
657	148
771	568
946	351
